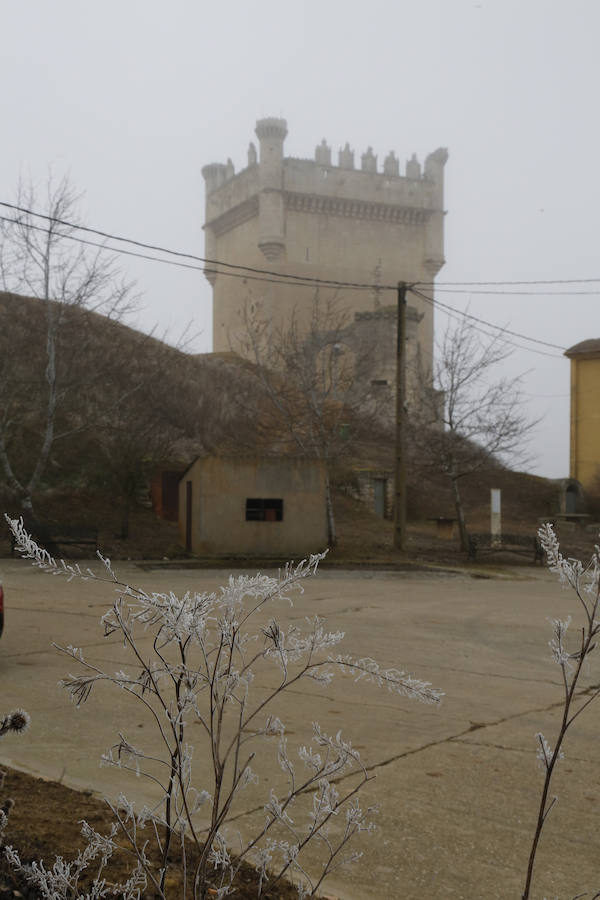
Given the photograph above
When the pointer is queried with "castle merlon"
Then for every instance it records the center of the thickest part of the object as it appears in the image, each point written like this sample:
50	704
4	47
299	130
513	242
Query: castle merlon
272	132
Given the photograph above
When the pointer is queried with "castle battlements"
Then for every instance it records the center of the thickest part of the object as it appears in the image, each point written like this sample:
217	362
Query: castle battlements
332	219
418	186
216	174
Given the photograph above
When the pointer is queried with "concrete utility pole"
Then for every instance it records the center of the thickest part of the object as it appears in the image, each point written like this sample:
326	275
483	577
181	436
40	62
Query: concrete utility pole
496	516
400	474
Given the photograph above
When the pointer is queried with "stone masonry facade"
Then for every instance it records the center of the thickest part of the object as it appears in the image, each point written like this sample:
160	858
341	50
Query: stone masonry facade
312	218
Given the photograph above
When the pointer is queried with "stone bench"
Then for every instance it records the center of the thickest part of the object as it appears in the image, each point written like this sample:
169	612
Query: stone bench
51	537
506	543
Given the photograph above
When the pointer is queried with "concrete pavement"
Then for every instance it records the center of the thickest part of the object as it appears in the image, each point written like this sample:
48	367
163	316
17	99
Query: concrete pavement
457	786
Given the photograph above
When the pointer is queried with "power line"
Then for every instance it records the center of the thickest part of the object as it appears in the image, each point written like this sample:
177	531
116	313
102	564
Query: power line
192	256
284	276
501	283
544	396
280	278
498	328
498	333
442	290
489	324
168	262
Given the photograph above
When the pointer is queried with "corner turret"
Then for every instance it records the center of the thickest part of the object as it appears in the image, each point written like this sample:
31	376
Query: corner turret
434	241
214	175
434	165
271	134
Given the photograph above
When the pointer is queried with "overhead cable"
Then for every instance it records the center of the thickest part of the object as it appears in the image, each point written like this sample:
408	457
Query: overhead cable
211	262
498	328
170	262
442	290
280	278
283	275
500	283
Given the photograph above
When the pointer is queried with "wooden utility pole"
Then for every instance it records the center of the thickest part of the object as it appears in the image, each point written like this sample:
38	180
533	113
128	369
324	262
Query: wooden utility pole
400	472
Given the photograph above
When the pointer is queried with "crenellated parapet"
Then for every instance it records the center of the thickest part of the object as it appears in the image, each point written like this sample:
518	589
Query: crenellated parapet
271	133
319	217
419	186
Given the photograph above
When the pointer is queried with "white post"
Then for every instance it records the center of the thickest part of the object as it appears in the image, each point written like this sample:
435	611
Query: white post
496	516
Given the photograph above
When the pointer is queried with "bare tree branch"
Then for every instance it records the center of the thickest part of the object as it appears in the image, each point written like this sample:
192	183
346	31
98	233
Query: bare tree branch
314	393
466	418
47	365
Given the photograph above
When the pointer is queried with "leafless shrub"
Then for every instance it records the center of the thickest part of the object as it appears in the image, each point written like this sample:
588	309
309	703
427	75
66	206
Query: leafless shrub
206	651
465	417
584	580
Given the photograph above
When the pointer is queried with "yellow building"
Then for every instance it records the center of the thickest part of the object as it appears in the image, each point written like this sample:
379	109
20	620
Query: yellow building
585	413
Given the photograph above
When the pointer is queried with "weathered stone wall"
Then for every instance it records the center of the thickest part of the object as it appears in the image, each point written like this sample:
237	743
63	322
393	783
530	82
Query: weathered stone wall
219	488
309	218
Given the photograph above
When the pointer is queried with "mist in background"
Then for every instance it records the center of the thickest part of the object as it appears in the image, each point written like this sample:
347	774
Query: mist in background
132	99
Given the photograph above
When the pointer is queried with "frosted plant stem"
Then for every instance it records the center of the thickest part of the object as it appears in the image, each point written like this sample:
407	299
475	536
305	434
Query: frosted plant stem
198	670
545	810
573	573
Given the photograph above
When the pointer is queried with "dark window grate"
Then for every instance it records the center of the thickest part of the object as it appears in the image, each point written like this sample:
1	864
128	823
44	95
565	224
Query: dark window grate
261	509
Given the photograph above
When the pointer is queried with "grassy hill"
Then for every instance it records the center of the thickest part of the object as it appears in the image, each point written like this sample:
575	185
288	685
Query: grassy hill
135	404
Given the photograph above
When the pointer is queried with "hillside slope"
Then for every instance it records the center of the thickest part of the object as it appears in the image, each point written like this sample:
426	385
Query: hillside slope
134	404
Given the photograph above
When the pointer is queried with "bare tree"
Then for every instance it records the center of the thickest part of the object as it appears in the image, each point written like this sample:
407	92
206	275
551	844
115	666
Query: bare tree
315	395
205	655
167	412
131	438
466	419
44	373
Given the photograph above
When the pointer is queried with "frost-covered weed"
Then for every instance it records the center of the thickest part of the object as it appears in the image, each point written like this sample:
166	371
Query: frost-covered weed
207	649
16	722
584	580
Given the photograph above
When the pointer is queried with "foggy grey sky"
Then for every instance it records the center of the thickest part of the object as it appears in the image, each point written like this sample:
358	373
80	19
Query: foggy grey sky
132	97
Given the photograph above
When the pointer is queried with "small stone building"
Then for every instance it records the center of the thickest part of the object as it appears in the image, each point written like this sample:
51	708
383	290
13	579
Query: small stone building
253	506
315	218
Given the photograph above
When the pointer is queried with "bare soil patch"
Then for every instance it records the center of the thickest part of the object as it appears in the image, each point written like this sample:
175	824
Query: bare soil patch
364	539
45	822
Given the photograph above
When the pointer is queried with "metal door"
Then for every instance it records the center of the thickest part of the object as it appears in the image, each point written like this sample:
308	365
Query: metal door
379	494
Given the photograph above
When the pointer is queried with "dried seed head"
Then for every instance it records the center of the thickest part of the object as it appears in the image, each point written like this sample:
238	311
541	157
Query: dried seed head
19	720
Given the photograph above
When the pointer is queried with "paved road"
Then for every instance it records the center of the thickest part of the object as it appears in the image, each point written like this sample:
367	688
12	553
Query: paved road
456	786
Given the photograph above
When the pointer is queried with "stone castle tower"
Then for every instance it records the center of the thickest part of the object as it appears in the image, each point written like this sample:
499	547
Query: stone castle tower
309	217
